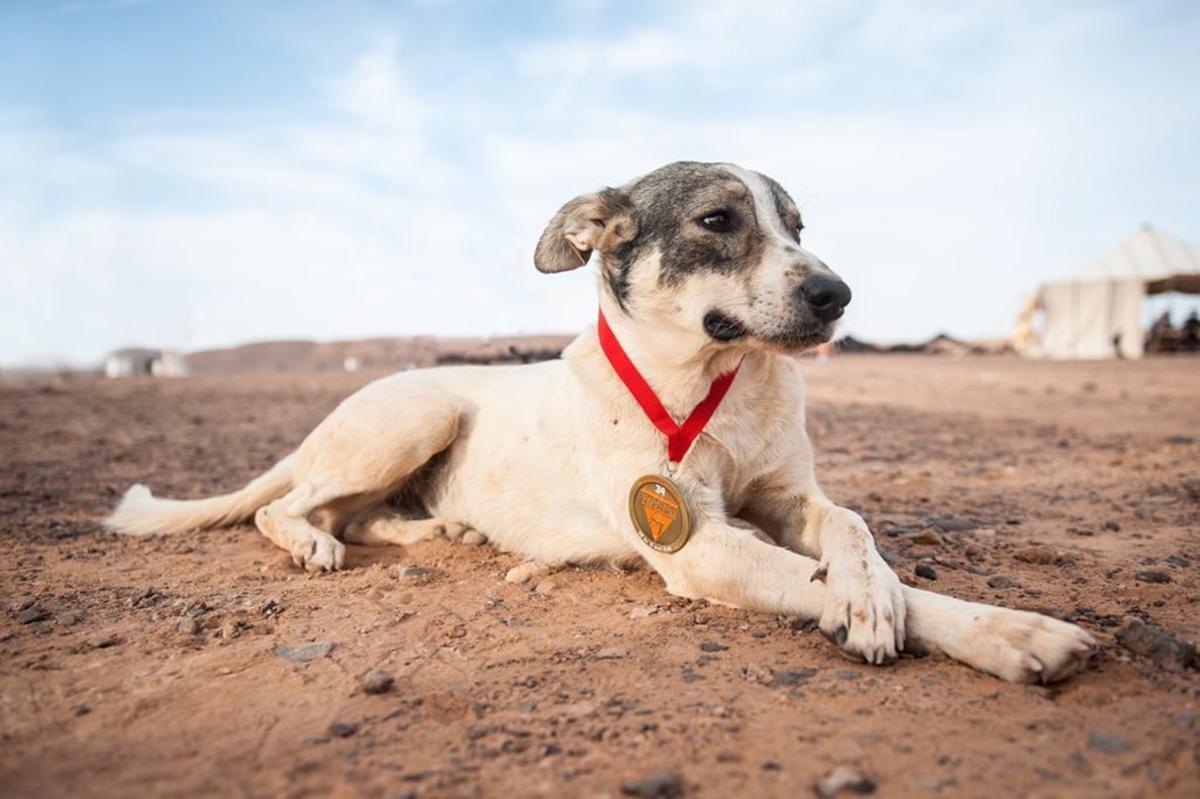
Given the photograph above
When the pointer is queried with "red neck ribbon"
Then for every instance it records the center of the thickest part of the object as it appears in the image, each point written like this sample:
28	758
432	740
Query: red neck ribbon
679	437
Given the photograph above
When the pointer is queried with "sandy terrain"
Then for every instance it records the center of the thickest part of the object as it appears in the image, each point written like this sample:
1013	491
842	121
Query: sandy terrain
150	667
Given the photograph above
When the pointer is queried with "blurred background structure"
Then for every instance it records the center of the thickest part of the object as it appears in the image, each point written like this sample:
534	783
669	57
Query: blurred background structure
195	176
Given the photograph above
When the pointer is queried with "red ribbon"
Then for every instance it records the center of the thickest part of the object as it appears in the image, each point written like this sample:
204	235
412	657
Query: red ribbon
679	437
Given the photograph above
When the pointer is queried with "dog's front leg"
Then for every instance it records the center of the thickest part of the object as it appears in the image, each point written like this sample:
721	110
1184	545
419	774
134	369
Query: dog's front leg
731	565
865	609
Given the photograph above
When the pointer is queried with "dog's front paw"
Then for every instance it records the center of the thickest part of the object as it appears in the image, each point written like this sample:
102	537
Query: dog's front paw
1025	647
864	606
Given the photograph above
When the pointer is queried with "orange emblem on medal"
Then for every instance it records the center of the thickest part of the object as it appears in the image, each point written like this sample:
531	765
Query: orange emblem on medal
659	513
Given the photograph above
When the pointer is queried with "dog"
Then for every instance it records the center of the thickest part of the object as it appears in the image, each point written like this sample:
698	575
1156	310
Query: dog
702	280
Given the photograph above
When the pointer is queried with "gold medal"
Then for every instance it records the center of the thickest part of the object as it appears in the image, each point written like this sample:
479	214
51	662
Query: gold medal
659	513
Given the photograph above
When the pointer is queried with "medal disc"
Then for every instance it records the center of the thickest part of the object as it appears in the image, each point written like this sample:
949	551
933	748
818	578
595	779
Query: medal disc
659	513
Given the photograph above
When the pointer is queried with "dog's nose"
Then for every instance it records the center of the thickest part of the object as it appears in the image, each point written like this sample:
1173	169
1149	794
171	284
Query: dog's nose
827	296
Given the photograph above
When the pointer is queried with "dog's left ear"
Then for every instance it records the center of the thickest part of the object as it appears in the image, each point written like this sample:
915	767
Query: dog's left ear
600	221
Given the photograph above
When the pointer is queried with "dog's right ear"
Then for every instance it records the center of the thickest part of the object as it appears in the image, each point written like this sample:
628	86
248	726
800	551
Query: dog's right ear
600	221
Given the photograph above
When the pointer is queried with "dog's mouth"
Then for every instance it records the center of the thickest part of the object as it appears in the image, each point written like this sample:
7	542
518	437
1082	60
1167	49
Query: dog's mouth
722	327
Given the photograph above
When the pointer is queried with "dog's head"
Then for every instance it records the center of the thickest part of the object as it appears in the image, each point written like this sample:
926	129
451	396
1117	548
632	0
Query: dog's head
710	248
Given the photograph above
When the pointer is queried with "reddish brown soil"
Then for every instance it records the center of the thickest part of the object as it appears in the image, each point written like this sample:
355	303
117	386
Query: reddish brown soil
597	678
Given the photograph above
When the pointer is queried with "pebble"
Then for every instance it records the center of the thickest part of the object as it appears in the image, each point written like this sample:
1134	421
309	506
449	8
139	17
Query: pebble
1157	645
611	653
1108	743
1112	526
412	572
188	626
952	524
342	729
664	785
712	646
845	779
104	642
544	587
1000	581
848	674
1152	576
1036	554
929	537
790	677
305	652
31	615
473	538
378	682
643	612
926	571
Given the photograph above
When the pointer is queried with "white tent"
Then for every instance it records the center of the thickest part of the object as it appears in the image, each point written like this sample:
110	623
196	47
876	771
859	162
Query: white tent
1098	312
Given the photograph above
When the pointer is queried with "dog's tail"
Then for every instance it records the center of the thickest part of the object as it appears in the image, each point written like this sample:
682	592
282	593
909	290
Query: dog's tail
142	513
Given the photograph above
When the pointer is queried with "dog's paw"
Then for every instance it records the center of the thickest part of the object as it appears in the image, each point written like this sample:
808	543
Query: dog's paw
1025	647
864	610
524	572
319	555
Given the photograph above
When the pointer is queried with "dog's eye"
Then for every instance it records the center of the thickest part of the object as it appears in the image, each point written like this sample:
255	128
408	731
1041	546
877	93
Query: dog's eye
799	230
717	221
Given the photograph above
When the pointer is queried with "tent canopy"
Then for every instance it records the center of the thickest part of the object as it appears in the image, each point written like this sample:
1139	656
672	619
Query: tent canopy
1097	313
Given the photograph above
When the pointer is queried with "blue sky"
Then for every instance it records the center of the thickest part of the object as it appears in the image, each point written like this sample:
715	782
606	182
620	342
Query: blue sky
194	174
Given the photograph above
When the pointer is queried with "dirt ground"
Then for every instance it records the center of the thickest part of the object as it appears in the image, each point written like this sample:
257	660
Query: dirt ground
149	667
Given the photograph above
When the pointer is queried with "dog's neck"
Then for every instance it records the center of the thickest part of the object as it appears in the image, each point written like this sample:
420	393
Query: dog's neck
679	365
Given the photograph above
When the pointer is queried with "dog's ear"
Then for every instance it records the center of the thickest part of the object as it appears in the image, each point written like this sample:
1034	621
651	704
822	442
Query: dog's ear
600	221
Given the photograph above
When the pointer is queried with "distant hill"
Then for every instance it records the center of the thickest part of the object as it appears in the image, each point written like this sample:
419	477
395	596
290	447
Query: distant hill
375	353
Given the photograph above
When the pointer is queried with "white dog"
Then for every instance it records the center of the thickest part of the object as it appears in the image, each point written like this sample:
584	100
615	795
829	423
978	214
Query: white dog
703	281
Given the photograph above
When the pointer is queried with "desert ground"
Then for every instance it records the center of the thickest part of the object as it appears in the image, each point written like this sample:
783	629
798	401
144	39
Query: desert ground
207	664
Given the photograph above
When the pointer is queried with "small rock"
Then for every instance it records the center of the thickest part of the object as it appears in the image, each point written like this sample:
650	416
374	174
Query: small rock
1179	440
31	615
188	626
655	786
1108	743
1157	645
580	709
1112	526
1179	560
315	740
926	571
106	641
82	710
378	682
952	524
544	587
848	674
342	729
643	612
305	652
845	779
474	538
712	646
412	572
803	625
1000	581
611	653
1036	554
928	537
1152	576
791	677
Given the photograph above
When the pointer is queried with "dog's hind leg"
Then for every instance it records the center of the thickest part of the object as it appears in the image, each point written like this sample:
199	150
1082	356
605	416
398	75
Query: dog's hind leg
390	528
285	522
360	455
